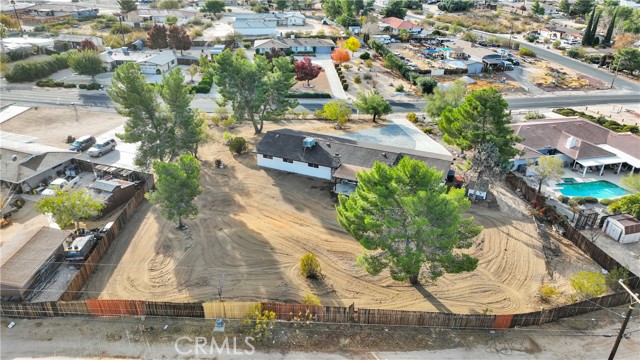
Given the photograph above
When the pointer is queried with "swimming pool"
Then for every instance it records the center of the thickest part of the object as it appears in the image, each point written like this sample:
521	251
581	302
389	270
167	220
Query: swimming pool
599	189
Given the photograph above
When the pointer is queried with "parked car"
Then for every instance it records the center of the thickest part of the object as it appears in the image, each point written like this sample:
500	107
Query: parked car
60	184
482	43
102	147
507	65
571	41
82	143
514	61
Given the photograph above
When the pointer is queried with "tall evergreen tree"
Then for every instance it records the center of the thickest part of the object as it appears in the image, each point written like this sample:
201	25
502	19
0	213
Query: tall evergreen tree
594	28
564	7
586	41
582	7
480	119
612	26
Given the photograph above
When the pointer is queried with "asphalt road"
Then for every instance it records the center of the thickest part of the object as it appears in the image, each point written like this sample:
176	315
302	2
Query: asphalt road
586	69
100	99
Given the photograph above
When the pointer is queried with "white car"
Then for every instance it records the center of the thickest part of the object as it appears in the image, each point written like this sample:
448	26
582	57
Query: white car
60	184
102	147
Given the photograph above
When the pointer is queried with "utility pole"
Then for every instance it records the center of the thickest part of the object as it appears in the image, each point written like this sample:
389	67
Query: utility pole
121	30
634	299
615	74
17	17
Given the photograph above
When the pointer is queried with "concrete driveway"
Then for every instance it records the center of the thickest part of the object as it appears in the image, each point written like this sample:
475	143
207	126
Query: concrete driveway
332	76
121	157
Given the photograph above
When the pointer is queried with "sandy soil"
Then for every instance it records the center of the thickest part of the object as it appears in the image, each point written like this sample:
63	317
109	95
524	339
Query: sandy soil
254	225
52	126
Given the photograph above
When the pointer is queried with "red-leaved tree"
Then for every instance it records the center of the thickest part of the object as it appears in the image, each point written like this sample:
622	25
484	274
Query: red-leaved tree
178	38
87	44
340	55
305	70
157	37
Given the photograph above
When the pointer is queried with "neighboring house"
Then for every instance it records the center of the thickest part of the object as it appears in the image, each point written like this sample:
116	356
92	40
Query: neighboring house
296	45
28	259
559	32
157	62
55	10
74	40
623	228
333	158
160	15
582	144
113	192
25	164
292	18
254	28
631	4
395	24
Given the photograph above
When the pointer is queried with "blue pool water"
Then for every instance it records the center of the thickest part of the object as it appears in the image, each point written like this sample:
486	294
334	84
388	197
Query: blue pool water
598	189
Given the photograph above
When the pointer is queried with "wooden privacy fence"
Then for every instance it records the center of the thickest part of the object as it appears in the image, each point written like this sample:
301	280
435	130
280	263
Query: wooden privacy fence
73	291
231	310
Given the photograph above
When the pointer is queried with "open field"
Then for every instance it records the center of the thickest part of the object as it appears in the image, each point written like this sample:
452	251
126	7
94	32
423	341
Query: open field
254	226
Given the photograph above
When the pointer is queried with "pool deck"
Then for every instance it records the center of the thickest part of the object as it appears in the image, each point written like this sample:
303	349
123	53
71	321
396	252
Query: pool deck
549	187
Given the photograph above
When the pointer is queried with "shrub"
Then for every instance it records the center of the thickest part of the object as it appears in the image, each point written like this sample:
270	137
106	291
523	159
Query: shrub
555	44
607	202
204	86
357	80
238	145
69	86
34	70
94	86
590	200
531	38
82	86
118	29
400	88
576	53
563	199
365	56
547	292
367	76
227	137
426	84
311	299
309	95
615	274
534	115
260	322
412	117
345	87
527	52
588	285
346	66
310	266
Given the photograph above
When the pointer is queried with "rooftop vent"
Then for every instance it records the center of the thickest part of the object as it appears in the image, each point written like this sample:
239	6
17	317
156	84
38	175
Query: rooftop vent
384	155
308	143
571	142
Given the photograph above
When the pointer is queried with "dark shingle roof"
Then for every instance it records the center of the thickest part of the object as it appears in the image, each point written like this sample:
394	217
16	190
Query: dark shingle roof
287	143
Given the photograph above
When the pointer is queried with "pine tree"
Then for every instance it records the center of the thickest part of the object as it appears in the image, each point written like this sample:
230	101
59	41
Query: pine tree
564	7
612	25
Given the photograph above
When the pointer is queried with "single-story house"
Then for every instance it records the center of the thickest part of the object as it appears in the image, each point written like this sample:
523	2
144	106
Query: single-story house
25	164
333	158
150	62
395	24
623	228
183	16
582	144
559	32
296	45
57	10
75	40
113	192
254	28
290	18
28	258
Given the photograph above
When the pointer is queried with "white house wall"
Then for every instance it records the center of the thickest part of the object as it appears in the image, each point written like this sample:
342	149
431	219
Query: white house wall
297	167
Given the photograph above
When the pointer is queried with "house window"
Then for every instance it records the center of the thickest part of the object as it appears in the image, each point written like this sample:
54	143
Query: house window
288	161
267	156
313	165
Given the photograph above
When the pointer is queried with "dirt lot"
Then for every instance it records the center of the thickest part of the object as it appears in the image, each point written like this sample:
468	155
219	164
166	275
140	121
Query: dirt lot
553	77
52	126
254	225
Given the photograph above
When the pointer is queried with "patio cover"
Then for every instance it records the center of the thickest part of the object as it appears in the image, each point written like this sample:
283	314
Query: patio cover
631	160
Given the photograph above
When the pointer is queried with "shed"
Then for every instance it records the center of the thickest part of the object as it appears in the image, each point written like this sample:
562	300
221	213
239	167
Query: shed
623	228
27	260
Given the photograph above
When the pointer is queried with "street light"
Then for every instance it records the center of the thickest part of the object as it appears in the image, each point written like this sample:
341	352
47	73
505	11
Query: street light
17	17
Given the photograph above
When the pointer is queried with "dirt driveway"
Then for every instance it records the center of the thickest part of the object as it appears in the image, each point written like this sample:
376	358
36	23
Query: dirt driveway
255	225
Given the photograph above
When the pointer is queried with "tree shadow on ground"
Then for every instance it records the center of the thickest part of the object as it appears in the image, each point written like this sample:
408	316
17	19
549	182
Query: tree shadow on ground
431	299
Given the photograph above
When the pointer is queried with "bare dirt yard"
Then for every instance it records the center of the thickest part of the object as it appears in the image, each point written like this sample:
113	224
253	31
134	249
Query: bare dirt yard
254	226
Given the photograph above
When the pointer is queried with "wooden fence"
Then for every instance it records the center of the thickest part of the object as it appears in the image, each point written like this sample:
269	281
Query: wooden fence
327	314
74	289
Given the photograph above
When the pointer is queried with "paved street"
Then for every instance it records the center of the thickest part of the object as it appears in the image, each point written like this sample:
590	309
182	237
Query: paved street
587	69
